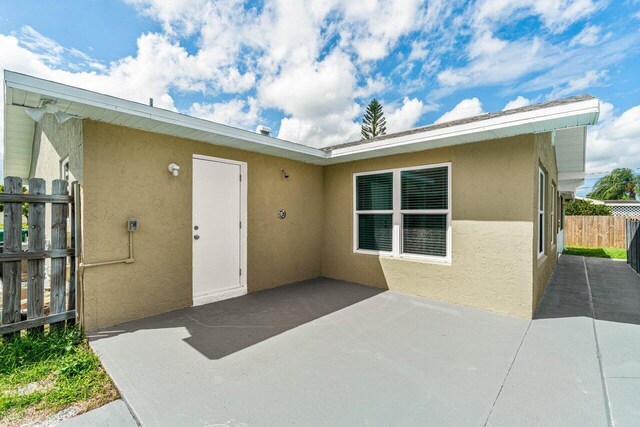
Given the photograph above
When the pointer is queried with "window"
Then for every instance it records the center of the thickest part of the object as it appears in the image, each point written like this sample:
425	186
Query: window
64	169
554	225
542	177
404	212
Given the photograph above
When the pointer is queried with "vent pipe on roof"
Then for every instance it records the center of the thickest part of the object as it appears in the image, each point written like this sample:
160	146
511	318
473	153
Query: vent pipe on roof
150	102
263	130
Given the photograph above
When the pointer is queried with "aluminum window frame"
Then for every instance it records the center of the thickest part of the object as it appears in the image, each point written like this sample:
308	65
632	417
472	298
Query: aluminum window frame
542	217
554	206
398	213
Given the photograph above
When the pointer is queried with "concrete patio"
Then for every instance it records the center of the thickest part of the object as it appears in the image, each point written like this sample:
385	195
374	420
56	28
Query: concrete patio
328	352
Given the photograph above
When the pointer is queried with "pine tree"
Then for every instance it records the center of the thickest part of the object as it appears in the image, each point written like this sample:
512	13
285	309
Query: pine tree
374	124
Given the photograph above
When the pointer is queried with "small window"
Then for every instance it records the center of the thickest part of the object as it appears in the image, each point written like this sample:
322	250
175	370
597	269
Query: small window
541	211
404	212
64	169
554	225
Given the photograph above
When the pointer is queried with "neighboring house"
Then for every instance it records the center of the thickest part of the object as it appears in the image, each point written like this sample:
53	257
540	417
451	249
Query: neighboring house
618	207
466	211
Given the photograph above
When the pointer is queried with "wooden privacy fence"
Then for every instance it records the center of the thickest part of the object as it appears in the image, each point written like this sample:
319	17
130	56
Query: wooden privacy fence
62	304
633	244
595	231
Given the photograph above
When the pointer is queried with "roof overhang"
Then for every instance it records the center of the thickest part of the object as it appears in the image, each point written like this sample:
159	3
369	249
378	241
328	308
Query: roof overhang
22	91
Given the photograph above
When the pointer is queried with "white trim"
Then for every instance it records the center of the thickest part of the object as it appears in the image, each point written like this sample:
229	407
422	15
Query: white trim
579	113
219	296
64	162
397	213
554	206
541	223
242	290
586	107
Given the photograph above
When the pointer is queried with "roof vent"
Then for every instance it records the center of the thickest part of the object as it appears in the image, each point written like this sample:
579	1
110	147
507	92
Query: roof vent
263	130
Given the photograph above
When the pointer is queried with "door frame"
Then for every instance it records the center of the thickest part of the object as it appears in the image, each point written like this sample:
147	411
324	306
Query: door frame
243	230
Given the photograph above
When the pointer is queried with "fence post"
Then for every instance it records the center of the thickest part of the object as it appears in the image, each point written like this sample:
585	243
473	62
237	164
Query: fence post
35	272
71	297
12	271
59	213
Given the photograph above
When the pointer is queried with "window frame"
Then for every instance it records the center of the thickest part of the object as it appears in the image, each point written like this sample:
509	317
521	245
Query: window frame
64	163
554	223
397	216
542	217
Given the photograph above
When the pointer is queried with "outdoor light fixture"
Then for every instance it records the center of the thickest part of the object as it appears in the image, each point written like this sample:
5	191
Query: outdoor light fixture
286	175
48	106
174	169
36	113
63	117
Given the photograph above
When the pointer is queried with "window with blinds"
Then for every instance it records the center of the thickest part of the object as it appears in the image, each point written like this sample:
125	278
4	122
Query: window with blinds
404	212
374	211
542	178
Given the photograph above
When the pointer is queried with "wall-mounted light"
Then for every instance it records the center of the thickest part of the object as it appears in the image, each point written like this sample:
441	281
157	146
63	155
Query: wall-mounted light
284	173
63	117
48	106
174	169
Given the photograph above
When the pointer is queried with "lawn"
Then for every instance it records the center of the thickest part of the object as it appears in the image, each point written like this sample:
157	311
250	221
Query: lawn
44	373
612	253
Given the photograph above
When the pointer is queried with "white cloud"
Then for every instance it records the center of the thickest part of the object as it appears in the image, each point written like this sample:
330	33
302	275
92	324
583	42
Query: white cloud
236	112
615	140
407	115
373	86
579	84
466	108
497	64
419	50
556	15
589	36
520	101
485	44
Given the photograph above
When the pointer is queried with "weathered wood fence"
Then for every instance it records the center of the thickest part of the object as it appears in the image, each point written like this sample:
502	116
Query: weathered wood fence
595	231
62	304
633	244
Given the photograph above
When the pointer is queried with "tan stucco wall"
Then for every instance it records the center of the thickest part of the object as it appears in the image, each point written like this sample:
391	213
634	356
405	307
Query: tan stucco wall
545	156
125	174
492	228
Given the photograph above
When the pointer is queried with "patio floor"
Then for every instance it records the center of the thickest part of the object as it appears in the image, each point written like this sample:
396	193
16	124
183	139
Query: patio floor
328	352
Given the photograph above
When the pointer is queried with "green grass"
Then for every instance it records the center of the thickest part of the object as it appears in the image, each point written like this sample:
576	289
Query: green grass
612	253
43	373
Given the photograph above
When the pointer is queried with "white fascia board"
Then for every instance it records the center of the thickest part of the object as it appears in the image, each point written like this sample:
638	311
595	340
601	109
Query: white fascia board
568	176
588	110
60	91
585	112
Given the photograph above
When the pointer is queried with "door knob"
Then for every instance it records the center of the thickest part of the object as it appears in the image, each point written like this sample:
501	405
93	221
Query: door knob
196	237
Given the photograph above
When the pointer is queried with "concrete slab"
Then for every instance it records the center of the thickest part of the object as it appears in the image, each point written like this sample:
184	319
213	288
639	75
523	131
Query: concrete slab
386	359
329	352
555	380
113	414
625	401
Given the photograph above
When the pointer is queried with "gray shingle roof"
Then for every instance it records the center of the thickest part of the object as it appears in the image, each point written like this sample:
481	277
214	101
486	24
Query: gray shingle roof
481	117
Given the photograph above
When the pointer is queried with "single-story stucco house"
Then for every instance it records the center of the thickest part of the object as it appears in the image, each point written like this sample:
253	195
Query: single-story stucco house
467	211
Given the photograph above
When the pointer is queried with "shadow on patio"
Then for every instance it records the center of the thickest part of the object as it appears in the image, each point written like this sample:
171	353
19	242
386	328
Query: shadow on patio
222	328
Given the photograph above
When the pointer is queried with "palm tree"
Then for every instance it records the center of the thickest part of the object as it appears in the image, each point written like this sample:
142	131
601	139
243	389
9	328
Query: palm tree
374	123
620	184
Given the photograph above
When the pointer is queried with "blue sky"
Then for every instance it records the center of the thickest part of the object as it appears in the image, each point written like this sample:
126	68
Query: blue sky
308	69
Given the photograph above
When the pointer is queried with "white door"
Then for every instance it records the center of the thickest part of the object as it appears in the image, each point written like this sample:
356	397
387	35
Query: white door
219	200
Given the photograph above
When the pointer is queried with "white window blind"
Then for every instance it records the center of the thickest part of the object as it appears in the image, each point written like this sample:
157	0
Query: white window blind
404	212
425	204
541	211
374	208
